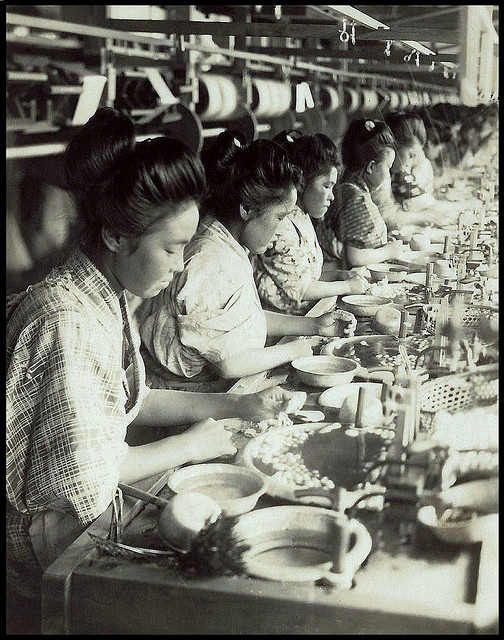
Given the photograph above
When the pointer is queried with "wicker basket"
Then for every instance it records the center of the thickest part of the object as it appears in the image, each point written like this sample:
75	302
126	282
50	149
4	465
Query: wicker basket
472	317
458	392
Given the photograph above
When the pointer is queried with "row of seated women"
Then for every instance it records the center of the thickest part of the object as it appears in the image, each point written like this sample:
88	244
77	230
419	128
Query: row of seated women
256	263
222	255
457	133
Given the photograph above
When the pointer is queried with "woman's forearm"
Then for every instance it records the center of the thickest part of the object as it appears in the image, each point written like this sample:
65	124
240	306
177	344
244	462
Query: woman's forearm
165	408
282	324
361	257
318	289
149	459
257	360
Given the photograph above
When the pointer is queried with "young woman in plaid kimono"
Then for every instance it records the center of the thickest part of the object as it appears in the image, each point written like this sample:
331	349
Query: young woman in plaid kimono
353	230
75	377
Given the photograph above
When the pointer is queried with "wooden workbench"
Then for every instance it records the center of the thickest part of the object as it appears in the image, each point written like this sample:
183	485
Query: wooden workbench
409	584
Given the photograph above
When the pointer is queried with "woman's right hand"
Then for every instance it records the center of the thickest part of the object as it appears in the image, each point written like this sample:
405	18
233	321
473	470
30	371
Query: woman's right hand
303	347
208	439
395	248
357	286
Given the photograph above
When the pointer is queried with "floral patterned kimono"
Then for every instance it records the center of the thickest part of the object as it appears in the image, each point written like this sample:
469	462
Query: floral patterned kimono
283	273
413	189
210	311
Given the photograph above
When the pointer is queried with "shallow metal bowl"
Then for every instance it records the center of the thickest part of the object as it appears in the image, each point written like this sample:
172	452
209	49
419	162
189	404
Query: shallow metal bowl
325	371
235	489
364	305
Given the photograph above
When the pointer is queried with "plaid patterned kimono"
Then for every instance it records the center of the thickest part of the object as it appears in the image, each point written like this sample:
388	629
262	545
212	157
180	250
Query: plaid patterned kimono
75	380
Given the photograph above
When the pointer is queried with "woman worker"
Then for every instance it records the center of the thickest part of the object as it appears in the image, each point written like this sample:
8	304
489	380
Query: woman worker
353	230
412	175
210	323
75	377
290	274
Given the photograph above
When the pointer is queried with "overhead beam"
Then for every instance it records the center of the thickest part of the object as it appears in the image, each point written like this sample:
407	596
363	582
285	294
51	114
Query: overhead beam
348	11
401	68
81	29
423	16
354	54
413	33
254	29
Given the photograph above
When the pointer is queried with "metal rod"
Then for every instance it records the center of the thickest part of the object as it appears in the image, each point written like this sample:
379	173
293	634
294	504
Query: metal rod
82	29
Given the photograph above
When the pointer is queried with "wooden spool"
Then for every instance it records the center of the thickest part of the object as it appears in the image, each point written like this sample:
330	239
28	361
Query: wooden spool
188	128
394	100
218	98
403	100
369	100
352	100
270	98
330	99
414	98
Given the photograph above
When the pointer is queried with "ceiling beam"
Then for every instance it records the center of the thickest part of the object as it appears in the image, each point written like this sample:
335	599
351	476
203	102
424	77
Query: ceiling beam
200	27
423	16
347	11
398	68
356	53
413	33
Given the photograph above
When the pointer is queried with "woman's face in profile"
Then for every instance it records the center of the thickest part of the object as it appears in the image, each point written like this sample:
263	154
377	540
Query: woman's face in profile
260	228
319	194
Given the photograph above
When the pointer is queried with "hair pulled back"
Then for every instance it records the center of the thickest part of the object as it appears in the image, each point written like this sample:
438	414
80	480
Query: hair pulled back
364	141
256	175
313	154
120	184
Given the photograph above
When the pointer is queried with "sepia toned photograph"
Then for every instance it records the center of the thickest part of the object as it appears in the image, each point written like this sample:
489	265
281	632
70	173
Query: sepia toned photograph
252	319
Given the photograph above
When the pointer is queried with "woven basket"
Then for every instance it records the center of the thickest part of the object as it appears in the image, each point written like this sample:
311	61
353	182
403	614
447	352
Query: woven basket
472	317
458	392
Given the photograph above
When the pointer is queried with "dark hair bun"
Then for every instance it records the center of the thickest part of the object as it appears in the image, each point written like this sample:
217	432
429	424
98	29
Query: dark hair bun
284	138
217	158
103	144
364	141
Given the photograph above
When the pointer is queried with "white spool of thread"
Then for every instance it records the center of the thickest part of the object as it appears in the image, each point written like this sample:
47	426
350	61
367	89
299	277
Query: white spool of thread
369	100
330	98
426	98
215	103
413	98
353	99
230	97
281	97
403	99
263	107
394	100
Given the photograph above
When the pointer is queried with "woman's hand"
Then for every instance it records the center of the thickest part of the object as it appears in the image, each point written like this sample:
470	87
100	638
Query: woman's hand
395	248
207	440
268	403
357	285
336	323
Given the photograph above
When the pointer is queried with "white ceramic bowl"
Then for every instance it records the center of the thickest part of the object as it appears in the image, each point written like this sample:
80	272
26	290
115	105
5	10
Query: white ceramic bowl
301	543
235	489
364	305
460	532
325	371
393	272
